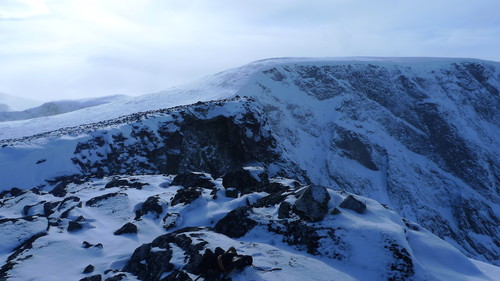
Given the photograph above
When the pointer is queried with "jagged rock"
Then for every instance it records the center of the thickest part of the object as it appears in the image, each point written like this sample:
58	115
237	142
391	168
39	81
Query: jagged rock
244	180
48	207
74	226
149	265
352	203
150	261
236	223
96	277
151	205
191	179
126	228
171	220
89	269
312	204
186	195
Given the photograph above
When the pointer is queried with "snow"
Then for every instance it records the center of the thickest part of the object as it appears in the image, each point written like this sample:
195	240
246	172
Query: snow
60	255
306	129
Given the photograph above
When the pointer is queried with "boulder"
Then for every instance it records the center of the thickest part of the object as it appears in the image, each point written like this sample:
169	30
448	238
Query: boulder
74	226
312	203
151	205
126	228
89	269
354	204
236	223
186	195
245	180
191	179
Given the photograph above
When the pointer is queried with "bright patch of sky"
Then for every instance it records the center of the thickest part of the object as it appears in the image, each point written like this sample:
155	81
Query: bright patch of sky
65	49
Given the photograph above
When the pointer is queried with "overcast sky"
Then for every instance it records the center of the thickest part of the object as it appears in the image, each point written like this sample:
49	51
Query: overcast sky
66	49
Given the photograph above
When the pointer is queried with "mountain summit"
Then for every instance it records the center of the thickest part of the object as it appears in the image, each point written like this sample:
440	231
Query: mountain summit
417	135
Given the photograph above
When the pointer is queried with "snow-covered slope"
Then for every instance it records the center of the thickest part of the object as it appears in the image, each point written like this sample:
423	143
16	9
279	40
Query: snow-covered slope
11	103
57	107
153	227
419	135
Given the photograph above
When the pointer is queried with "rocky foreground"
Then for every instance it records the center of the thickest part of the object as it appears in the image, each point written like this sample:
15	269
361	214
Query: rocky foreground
156	227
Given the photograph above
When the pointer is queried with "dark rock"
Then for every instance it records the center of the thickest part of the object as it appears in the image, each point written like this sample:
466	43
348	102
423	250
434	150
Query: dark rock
117	183
232	193
270	200
191	179
284	210
336	211
312	204
236	223
97	277
60	189
171	220
151	205
74	226
48	207
16	191
274	187
126	228
149	265
352	203
89	269
244	181
357	149
186	195
87	245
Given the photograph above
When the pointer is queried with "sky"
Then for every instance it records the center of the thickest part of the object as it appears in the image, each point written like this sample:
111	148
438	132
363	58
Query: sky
70	49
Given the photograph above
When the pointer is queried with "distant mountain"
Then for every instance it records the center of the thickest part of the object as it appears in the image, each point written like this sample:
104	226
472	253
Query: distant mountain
13	103
417	135
57	107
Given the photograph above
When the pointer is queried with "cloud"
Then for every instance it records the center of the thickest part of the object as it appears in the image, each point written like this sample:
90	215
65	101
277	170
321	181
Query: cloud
68	49
22	9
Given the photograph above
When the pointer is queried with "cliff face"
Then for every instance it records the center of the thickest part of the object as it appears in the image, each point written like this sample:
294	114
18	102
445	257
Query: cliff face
420	136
